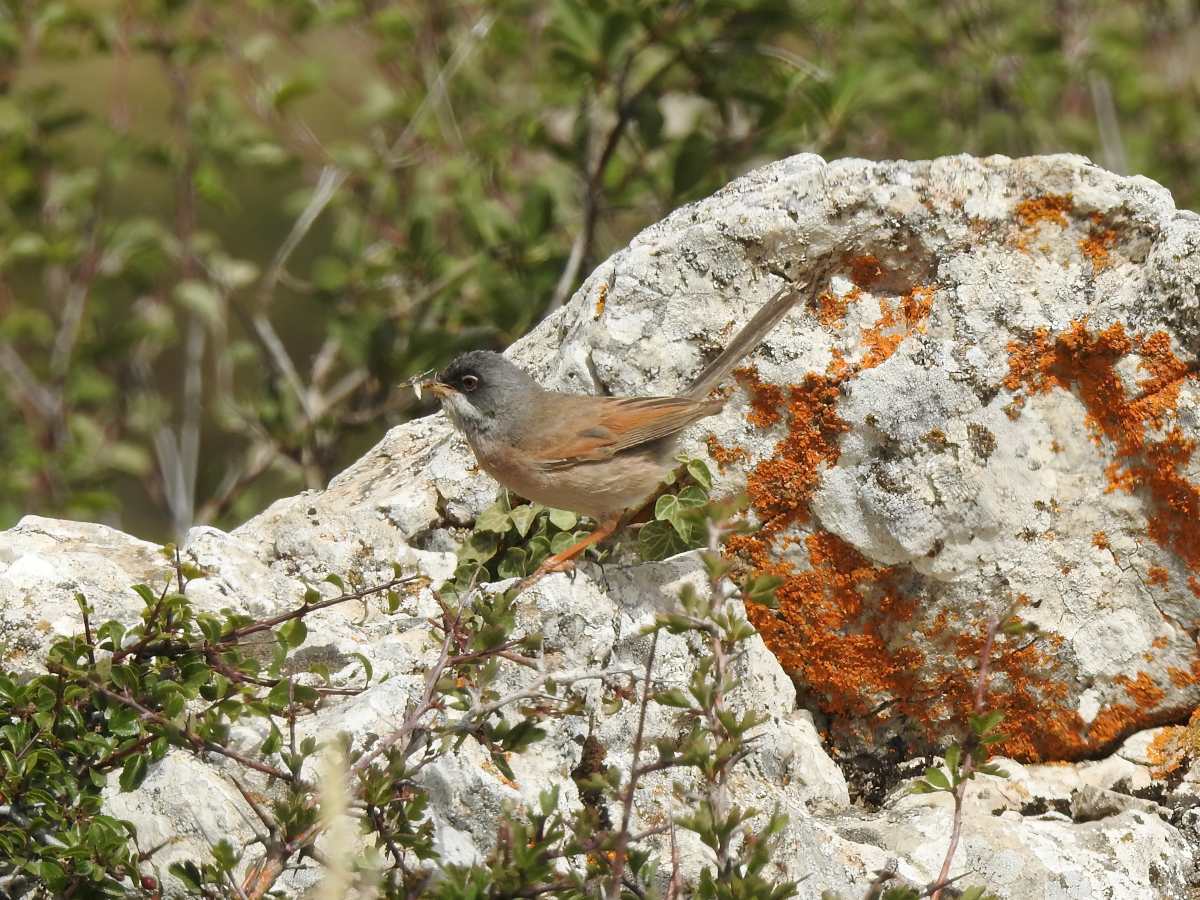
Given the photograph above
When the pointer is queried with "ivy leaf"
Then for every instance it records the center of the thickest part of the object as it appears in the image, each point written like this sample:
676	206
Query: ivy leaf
563	520
659	540
678	509
495	518
700	474
513	563
522	517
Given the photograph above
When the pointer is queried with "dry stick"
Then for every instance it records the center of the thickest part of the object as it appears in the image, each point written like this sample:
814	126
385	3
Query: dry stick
425	704
675	887
270	868
968	759
618	861
593	188
720	666
331	179
257	883
438	90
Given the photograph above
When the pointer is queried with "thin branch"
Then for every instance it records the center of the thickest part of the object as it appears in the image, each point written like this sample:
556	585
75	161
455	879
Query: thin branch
620	851
968	759
191	737
437	91
330	180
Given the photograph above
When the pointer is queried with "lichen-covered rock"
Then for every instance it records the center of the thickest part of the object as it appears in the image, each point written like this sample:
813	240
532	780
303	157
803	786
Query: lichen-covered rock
991	405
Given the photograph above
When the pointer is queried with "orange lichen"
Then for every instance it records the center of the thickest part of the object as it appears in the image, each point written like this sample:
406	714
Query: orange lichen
909	315
844	628
603	299
1086	363
838	368
1115	721
1173	746
765	398
1142	689
1157	575
917	304
865	271
829	629
782	485
1182	678
831	309
1050	208
1096	247
723	455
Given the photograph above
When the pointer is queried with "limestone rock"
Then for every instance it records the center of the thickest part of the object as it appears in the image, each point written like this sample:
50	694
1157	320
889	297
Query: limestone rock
989	404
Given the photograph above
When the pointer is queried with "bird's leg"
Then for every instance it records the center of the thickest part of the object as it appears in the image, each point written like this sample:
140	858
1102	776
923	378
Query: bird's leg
562	562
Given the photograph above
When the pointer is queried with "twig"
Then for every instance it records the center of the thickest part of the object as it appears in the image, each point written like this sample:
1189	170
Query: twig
968	759
437	91
619	852
191	737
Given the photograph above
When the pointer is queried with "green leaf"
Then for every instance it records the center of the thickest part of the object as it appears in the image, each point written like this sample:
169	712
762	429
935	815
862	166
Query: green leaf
201	298
953	756
522	517
513	564
659	540
563	520
496	518
986	723
134	772
480	546
149	597
294	631
330	275
52	873
273	742
700	474
762	590
937	778
563	541
692	161
681	511
368	669
673	697
649	120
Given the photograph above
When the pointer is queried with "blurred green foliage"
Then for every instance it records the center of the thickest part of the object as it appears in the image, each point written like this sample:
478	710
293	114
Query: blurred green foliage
227	230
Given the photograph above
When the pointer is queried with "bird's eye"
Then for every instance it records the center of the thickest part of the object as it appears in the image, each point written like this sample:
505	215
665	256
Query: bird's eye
469	382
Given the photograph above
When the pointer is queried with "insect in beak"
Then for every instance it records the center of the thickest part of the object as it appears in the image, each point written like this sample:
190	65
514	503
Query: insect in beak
420	382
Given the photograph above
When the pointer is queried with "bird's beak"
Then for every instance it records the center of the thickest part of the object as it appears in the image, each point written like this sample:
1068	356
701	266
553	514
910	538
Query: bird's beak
439	389
420	382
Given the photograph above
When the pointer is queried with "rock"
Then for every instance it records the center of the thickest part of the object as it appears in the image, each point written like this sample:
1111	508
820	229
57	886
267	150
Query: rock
45	563
990	404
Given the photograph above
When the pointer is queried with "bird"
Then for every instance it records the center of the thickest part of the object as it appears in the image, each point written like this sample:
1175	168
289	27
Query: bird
596	456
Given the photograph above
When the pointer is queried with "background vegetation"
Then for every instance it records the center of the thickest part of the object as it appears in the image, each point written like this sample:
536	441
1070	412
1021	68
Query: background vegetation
228	229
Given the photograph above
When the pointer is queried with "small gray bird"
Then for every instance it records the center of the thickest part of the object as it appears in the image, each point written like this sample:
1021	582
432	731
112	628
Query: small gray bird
598	456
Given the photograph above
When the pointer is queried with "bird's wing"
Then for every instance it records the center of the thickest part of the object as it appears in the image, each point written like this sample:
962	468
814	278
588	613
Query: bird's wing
626	423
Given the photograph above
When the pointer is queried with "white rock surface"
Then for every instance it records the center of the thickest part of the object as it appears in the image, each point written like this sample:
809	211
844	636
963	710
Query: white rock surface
959	439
